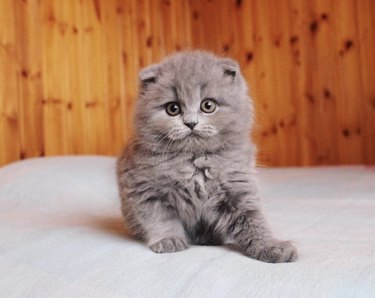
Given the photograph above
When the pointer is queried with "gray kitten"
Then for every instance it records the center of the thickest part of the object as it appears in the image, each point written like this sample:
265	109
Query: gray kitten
188	176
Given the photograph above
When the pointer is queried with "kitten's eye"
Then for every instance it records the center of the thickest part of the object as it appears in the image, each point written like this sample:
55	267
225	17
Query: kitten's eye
173	109
208	105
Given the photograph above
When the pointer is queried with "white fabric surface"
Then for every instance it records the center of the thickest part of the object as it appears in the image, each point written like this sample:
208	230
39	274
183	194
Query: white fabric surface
61	235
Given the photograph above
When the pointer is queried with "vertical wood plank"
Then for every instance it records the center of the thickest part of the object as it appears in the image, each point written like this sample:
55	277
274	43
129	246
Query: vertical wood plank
248	55
351	145
96	122
75	101
29	77
365	19
130	64
157	39
196	15
265	58
9	109
54	69
181	24
113	12
204	27
324	97
165	25
144	33
279	77
317	87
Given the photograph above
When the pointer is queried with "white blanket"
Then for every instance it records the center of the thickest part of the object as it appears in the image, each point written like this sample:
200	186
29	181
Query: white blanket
61	235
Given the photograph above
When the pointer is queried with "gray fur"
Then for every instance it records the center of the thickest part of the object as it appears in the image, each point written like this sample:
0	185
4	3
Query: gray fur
181	186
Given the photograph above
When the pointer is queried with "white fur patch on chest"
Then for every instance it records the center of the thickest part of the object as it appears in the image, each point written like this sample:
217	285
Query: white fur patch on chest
199	181
202	164
201	176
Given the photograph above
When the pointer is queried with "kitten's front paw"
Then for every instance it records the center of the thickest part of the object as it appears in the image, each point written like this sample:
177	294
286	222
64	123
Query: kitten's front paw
168	245
275	252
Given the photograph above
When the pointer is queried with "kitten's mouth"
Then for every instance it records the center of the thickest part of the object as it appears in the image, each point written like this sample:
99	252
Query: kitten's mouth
191	135
194	134
200	134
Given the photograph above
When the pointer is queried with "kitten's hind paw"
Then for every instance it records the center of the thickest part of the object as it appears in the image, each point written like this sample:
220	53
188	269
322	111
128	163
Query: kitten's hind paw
169	245
278	252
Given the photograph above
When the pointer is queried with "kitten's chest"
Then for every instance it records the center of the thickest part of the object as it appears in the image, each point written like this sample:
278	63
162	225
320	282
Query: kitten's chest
195	182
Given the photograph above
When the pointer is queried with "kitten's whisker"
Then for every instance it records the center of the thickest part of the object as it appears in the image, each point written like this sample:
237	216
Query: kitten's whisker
162	135
167	149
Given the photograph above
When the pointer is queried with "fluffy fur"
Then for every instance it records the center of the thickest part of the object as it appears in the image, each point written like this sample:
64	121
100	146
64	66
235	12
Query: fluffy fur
182	186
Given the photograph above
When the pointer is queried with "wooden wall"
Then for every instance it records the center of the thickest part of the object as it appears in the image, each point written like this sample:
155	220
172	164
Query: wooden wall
68	72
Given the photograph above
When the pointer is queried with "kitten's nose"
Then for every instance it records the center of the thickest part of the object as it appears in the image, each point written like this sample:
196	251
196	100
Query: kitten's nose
191	125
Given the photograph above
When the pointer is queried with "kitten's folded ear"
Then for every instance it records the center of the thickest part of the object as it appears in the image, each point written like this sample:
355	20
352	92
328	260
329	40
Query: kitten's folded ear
148	75
231	67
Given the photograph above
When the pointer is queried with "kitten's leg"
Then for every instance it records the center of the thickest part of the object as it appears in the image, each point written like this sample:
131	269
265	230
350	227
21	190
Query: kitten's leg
161	226
249	233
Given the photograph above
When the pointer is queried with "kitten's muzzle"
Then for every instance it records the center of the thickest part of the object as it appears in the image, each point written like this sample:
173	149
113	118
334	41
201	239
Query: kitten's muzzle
191	125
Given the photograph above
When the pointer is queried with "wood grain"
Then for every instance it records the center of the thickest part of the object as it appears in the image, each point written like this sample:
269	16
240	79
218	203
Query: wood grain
10	149
29	77
68	72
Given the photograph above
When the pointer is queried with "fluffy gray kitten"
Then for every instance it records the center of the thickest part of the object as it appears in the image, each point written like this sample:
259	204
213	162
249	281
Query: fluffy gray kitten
188	176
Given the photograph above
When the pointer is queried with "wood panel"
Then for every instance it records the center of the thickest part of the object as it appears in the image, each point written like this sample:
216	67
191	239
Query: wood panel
68	78
9	93
365	24
29	77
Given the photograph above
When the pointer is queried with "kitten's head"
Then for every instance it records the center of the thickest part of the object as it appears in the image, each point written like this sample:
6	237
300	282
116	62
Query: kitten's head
192	101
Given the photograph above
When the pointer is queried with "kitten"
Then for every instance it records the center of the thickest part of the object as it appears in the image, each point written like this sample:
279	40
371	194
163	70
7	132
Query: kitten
188	175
